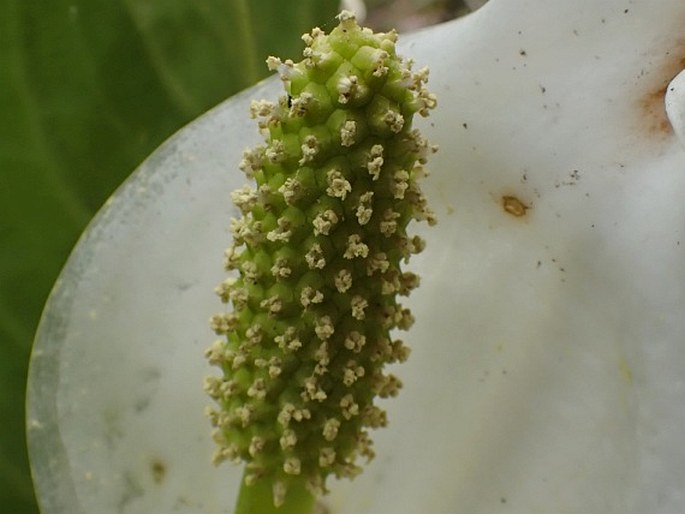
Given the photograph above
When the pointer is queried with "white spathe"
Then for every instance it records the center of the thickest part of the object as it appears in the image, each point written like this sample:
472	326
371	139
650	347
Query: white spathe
548	364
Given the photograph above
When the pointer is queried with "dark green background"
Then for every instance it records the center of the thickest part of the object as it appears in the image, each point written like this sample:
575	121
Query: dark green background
89	88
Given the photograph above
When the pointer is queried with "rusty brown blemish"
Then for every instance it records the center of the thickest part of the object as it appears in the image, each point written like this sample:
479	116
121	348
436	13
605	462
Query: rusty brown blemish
514	206
654	111
158	470
651	103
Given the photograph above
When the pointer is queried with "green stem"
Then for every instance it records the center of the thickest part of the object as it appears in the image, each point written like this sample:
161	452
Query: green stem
258	498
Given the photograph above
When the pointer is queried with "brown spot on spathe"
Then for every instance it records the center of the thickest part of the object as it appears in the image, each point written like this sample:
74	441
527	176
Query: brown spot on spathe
651	102
514	206
654	112
158	470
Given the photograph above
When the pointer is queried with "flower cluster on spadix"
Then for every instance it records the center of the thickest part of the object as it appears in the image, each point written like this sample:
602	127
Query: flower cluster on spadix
316	261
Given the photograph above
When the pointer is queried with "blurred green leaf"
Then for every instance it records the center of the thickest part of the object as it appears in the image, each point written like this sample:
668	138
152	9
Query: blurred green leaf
89	88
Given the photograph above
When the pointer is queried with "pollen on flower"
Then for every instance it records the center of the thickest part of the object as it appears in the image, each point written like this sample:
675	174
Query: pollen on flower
358	305
280	269
301	103
355	247
352	372
257	389
364	209
239	297
275	370
241	230
408	282
378	262
244	414
288	439
355	341
400	184
223	323
349	407
322	354
291	190
254	334
324	328
316	262
256	446
281	233
338	186
224	289
231	259
310	148
375	162
238	361
394	120
286	414
312	391
300	414
252	161
216	353
288	340
330	429
387	385
326	456
244	198
292	466
389	224
308	39
212	387
284	68
272	304
275	152
230	452
343	280
346	17
348	87
324	222
314	257
310	296
261	108
348	132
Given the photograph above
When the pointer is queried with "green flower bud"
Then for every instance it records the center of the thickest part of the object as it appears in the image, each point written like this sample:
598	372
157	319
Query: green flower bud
318	251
